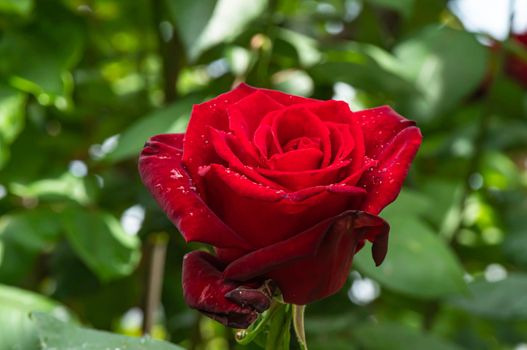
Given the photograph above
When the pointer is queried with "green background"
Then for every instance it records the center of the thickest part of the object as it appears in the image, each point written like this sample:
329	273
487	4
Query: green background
84	83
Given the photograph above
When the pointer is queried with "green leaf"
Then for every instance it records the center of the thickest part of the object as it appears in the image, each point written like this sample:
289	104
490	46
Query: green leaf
17	332
205	24
58	41
306	47
172	119
23	235
446	65
404	7
65	186
502	300
418	263
12	118
101	243
57	335
392	336
17	7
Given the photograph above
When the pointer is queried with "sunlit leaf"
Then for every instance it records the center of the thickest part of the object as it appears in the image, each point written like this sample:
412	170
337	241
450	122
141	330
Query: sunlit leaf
437	60
18	7
58	335
65	186
207	23
17	332
101	243
11	118
172	119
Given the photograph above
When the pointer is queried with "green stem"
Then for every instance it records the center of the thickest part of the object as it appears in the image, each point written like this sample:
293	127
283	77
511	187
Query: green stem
279	335
298	324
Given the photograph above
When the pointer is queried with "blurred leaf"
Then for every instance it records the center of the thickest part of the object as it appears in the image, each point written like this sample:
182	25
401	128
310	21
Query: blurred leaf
172	119
33	229
18	7
503	300
306	47
446	65
392	336
23	235
292	81
204	24
57	40
57	335
11	118
65	186
418	263
17	332
101	243
405	7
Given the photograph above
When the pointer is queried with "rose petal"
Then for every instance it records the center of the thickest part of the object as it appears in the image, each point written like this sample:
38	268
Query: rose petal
379	126
168	181
204	288
383	183
213	114
319	259
287	99
297	180
297	160
265	215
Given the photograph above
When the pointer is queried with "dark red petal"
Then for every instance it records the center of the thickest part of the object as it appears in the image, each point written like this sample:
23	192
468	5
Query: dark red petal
233	304
315	263
213	114
264	215
168	181
383	183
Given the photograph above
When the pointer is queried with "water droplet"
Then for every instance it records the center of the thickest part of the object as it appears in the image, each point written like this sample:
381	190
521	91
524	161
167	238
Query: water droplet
175	174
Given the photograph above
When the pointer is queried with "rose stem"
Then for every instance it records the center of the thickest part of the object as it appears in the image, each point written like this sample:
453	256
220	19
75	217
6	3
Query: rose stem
157	246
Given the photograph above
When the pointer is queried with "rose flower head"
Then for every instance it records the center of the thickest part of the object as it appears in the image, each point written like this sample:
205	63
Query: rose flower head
285	188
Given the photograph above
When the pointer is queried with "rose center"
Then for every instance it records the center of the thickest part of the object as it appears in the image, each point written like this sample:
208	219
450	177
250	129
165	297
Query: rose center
302	143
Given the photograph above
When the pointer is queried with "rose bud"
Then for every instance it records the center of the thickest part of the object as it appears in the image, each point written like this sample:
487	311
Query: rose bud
284	188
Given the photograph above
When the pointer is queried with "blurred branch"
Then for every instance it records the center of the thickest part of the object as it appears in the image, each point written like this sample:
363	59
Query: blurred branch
157	246
170	49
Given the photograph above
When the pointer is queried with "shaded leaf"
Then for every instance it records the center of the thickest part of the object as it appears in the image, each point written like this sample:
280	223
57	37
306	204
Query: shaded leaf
418	263
101	243
503	300
392	336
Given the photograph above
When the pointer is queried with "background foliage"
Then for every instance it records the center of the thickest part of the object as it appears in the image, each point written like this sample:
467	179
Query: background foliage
83	83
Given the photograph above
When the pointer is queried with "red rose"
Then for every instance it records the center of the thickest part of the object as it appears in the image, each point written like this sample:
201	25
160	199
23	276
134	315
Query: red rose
515	66
285	188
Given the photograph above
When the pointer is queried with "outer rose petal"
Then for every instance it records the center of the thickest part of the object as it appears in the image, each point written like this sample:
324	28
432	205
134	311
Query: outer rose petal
264	215
168	181
213	114
231	303
379	126
383	183
315	263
